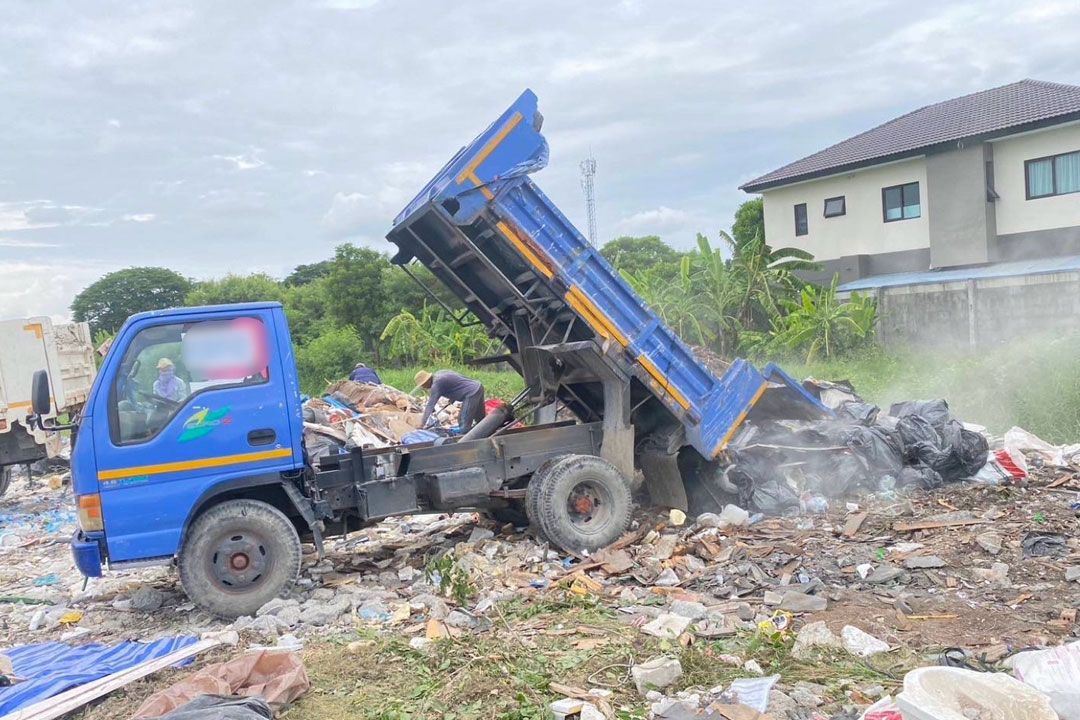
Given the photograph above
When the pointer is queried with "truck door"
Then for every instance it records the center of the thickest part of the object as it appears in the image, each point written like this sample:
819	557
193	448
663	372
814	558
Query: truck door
193	403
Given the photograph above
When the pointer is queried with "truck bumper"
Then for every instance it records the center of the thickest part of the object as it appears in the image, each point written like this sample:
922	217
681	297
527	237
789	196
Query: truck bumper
87	554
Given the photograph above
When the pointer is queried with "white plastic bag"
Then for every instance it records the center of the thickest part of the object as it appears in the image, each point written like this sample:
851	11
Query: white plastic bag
1056	672
1018	440
946	693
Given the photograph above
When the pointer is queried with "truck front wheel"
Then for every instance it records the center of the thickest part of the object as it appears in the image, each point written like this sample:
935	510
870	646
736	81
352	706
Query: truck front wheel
237	556
581	502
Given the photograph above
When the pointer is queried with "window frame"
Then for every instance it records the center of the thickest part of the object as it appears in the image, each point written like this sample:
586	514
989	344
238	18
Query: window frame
113	400
806	220
843	206
885	209
1053	176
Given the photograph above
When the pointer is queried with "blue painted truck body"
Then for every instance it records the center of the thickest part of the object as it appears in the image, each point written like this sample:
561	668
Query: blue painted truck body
486	190
149	488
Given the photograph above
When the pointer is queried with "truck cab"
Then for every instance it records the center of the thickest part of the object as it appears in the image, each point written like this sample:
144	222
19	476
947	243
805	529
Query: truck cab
191	406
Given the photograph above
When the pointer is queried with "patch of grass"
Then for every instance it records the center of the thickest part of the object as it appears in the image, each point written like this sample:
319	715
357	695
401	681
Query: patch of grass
1034	383
503	384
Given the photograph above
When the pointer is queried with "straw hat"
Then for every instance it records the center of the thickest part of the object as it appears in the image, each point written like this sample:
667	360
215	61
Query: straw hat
164	363
422	378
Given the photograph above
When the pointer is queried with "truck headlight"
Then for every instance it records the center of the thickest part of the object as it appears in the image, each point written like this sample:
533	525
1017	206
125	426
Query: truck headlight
90	513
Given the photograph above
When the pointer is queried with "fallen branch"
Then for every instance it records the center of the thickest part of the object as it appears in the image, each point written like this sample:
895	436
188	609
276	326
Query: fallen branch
934	524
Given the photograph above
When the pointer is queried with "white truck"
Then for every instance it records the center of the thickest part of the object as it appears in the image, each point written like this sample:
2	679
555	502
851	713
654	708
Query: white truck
30	344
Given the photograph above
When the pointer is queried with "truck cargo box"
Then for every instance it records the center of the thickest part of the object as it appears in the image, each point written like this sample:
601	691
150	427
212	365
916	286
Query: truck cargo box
484	228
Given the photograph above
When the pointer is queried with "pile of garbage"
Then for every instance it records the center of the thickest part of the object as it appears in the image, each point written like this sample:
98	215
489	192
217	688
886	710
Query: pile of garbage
782	464
363	415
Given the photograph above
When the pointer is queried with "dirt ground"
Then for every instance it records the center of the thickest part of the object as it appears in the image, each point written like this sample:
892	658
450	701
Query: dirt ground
525	625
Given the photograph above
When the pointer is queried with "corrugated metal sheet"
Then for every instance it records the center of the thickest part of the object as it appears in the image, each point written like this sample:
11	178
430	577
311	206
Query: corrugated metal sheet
1040	266
51	668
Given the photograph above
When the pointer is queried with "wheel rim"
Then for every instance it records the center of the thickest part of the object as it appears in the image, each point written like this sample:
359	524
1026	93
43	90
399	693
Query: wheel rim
239	561
589	506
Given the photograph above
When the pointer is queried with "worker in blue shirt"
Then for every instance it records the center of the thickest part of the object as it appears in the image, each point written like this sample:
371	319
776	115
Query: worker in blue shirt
363	374
455	388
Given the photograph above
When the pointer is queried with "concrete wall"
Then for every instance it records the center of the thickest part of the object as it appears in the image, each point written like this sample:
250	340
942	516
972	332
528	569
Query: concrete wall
978	313
862	230
1015	213
962	225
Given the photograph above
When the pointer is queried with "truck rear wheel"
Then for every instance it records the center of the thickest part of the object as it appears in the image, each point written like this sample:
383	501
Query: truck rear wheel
238	556
581	502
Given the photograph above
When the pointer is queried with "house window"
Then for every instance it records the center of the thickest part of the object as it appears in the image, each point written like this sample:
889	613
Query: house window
901	202
835	207
801	226
1054	175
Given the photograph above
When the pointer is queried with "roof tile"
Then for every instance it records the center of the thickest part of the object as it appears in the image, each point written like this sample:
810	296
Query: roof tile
983	113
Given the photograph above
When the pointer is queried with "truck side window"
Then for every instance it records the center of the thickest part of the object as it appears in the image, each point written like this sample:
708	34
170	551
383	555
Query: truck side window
164	366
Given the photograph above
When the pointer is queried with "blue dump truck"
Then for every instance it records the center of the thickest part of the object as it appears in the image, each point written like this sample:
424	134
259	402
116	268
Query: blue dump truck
190	449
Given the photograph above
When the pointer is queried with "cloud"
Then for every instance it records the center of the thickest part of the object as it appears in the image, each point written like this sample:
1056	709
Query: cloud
45	288
243	162
348	214
350	4
653	222
140	217
17	243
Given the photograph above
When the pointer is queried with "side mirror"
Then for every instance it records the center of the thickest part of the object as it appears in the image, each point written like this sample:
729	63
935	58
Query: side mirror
39	393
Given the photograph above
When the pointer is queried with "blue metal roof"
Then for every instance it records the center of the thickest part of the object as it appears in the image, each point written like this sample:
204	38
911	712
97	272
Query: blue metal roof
1039	266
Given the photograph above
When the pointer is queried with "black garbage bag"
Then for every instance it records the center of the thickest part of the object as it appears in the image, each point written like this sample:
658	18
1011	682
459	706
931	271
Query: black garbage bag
861	412
773	496
935	411
221	707
879	448
919	476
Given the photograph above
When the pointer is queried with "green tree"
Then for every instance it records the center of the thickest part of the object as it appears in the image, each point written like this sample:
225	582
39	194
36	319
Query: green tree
749	221
764	277
819	323
106	303
306	308
636	254
304	274
356	292
236	289
328	357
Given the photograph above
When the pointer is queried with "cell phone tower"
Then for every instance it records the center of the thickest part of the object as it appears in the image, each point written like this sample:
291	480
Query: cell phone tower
588	186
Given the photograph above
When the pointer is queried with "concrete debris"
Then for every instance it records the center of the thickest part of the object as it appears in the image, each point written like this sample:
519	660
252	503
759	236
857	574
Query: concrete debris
813	637
861	643
656	673
923	562
676	585
798	602
667	626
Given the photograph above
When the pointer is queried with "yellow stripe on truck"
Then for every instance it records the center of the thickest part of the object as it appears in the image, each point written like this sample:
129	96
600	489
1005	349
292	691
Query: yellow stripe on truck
597	315
651	368
200	464
493	143
739	420
525	250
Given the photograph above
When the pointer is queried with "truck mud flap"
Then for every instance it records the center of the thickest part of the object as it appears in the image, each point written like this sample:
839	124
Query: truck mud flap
663	479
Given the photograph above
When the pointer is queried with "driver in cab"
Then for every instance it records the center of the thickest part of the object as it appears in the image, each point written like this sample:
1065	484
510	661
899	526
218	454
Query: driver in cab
168	385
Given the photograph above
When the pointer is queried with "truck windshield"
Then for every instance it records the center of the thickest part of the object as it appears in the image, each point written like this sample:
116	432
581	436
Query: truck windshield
165	365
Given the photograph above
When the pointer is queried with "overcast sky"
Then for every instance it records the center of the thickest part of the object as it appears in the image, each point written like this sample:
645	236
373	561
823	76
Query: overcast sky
215	137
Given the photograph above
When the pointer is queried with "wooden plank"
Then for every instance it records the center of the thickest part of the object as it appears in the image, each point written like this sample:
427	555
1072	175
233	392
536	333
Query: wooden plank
65	702
934	524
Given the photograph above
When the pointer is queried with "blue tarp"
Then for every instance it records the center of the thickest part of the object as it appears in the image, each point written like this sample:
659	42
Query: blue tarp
51	668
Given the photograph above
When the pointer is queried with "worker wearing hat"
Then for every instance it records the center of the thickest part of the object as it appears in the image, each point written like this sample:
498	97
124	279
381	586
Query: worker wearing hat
455	388
168	386
363	374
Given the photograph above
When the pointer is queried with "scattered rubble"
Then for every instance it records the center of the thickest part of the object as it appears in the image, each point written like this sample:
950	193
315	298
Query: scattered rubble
920	570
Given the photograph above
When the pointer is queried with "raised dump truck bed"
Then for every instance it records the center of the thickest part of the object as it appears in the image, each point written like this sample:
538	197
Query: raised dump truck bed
485	229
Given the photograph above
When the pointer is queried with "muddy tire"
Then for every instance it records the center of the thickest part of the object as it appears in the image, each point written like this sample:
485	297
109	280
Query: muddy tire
238	556
532	490
582	503
5	478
